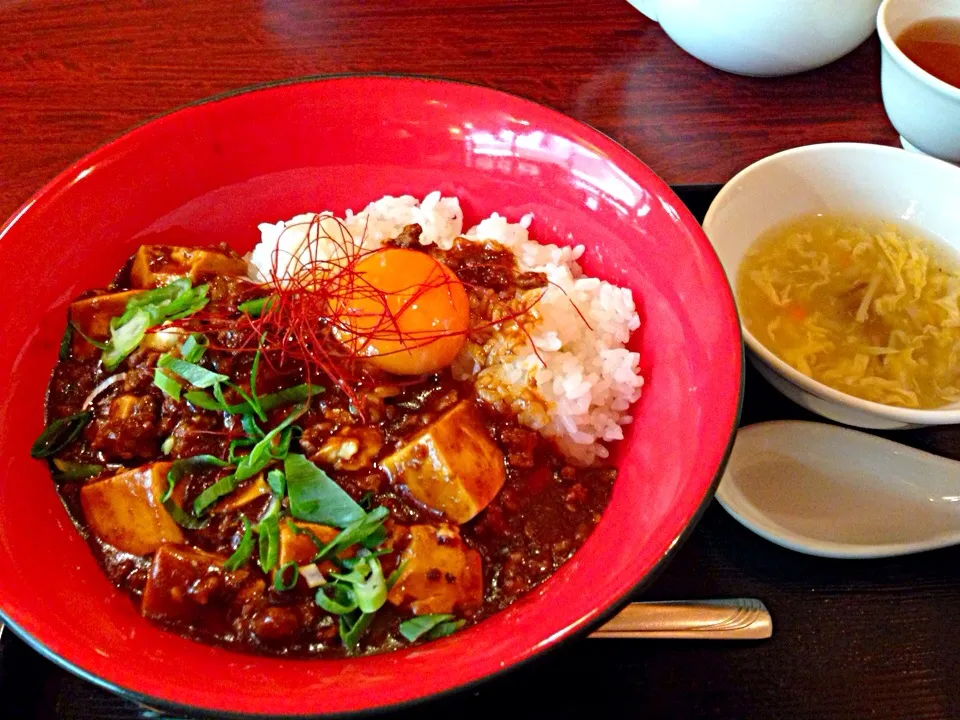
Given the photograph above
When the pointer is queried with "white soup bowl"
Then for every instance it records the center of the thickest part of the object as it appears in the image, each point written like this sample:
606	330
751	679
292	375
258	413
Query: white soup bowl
850	178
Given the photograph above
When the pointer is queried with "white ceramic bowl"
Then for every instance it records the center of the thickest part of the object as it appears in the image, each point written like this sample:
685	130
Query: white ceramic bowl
924	110
764	37
838	177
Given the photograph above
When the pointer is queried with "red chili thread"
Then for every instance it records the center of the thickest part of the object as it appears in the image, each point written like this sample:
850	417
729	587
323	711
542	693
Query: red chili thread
311	317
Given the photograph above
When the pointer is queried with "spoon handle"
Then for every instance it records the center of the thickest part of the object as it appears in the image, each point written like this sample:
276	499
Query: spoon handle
732	619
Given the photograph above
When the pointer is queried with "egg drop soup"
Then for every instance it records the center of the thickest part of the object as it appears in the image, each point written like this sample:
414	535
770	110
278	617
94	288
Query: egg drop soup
865	306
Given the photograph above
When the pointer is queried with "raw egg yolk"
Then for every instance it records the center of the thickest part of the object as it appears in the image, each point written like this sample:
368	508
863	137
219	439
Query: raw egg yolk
406	312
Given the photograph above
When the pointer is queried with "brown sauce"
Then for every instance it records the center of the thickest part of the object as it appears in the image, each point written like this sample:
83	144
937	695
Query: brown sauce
541	516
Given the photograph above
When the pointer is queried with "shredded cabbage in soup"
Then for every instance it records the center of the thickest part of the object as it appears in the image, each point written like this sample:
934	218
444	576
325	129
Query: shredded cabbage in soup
864	306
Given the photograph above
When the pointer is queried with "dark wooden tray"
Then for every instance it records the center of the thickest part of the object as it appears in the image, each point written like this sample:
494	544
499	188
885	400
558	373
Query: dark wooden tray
852	639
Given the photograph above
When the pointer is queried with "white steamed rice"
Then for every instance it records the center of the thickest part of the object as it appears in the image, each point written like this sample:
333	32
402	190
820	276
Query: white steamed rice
581	393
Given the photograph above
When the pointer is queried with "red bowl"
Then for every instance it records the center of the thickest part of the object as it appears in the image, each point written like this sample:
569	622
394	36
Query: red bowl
211	172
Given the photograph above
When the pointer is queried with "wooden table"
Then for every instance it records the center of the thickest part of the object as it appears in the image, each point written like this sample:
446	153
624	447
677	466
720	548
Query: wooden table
76	73
876	639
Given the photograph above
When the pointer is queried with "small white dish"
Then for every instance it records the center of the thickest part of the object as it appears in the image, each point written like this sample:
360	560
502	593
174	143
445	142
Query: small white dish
923	109
871	180
764	38
834	492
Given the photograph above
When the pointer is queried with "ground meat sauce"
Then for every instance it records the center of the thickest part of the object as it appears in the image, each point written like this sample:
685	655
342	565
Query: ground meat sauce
541	515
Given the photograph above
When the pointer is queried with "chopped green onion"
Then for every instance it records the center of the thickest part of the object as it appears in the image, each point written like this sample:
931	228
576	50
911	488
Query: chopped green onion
254	368
187	304
254	462
352	534
269	530
253	399
202	400
251	428
146	309
352	628
181	517
193	348
315	497
419	625
164	294
252	405
205	401
194	374
279	584
361	559
172	301
178	469
355	597
218	394
254	308
244	549
232	456
395	575
282	448
250	402
366	501
182	467
342	602
223	486
445	628
96	343
67	470
375	538
260	456
125	338
360	569
167	384
167	447
369	586
66	342
268	402
277	481
291	395
60	433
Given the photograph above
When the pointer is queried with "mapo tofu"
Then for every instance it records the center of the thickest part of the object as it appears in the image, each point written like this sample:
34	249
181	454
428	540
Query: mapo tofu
302	484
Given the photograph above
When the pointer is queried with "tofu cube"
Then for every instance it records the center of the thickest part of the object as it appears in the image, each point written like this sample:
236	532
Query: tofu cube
174	593
243	495
125	510
452	466
92	317
298	547
156	265
440	573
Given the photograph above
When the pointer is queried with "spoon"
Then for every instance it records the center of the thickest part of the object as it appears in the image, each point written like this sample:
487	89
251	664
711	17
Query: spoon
834	492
